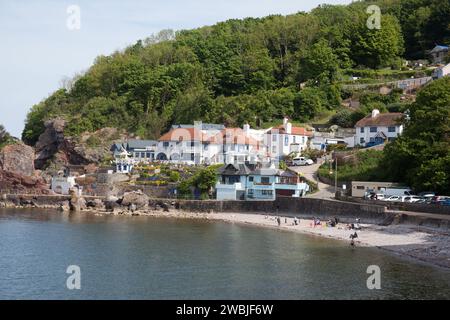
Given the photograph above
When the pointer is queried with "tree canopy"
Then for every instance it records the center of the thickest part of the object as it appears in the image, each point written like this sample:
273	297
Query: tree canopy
421	156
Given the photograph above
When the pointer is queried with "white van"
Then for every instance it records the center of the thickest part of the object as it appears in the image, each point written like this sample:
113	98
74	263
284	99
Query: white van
302	161
397	192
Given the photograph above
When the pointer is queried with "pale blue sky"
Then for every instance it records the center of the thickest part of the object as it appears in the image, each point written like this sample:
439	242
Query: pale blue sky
38	50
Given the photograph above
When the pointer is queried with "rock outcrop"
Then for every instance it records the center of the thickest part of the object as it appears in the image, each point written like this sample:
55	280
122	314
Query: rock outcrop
53	146
55	150
17	172
76	203
17	158
135	199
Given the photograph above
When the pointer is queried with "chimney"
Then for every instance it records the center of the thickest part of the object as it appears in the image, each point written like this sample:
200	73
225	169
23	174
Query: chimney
375	113
288	128
285	121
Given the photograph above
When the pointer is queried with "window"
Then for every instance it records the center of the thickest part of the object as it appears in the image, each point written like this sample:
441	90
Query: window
142	155
266	192
286	140
362	130
274	138
295	139
373	129
265	180
192	156
165	144
192	144
391	129
250	179
361	140
360	187
149	155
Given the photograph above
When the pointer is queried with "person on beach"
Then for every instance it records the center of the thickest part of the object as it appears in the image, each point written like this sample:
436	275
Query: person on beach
279	221
285	220
296	221
352	238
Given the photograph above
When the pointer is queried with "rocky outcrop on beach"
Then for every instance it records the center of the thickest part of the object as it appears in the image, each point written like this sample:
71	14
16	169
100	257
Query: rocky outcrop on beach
77	203
17	158
17	172
135	200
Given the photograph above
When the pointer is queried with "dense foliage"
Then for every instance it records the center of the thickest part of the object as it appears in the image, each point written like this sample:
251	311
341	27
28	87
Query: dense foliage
366	166
203	181
251	70
421	156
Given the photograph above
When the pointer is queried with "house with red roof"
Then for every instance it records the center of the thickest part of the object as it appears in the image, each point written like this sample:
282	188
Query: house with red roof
199	145
286	138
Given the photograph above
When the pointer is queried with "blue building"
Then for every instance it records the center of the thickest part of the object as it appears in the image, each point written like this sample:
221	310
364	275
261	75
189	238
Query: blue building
248	182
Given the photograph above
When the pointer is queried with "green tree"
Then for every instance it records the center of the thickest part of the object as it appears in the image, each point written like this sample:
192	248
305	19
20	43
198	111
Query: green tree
319	63
421	156
376	48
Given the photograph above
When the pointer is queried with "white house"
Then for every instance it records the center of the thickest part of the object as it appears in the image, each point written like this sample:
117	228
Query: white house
255	182
192	145
442	72
62	185
285	139
378	128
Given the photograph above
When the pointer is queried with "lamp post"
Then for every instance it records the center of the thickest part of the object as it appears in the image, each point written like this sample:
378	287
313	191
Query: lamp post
335	176
335	170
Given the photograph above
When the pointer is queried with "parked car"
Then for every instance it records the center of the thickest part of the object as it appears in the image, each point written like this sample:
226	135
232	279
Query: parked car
427	194
393	198
411	199
446	202
374	196
302	161
438	199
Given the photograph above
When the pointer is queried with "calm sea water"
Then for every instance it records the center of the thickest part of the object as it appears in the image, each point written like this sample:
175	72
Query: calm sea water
150	258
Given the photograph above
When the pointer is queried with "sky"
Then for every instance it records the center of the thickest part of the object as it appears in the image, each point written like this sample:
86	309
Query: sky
42	44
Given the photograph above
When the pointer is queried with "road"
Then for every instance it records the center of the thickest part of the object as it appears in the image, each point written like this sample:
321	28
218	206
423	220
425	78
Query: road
310	172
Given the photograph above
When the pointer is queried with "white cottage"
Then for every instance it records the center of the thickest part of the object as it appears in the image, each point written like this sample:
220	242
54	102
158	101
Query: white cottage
285	139
378	128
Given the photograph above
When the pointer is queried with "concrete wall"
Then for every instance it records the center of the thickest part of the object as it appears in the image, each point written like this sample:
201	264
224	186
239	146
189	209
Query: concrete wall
402	206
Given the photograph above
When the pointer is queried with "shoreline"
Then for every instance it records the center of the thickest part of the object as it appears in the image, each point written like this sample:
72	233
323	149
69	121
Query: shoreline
421	244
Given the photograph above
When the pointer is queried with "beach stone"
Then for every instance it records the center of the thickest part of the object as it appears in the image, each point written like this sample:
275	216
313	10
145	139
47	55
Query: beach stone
96	203
139	199
64	206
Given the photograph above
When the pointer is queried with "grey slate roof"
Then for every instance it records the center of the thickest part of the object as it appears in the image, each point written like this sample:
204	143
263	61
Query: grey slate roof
140	144
236	170
205	126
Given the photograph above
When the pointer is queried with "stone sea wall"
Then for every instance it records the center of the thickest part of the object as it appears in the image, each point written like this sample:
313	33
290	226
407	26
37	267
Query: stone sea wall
134	202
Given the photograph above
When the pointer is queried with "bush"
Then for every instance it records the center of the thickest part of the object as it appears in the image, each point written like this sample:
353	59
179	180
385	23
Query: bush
366	167
174	176
342	118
